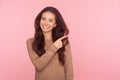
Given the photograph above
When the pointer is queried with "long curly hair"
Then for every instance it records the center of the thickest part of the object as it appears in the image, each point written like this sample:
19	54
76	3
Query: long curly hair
57	32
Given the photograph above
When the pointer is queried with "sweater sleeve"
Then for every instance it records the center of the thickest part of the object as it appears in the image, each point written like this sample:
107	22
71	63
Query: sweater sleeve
40	62
68	63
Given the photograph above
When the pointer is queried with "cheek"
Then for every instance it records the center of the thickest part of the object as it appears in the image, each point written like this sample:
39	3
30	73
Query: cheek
41	23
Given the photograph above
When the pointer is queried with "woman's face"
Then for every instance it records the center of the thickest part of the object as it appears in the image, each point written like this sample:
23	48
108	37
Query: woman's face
47	22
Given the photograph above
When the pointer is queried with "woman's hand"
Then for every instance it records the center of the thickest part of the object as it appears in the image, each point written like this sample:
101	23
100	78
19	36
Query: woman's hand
58	42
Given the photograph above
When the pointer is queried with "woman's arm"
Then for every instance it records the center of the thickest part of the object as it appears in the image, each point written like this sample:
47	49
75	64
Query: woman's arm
40	62
68	63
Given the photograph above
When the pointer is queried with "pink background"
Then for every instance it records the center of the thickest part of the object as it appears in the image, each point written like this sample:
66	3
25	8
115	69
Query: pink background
94	35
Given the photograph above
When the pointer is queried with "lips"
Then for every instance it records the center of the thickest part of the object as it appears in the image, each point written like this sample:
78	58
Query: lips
45	27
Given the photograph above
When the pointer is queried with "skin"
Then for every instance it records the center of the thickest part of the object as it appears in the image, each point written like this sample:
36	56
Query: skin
47	23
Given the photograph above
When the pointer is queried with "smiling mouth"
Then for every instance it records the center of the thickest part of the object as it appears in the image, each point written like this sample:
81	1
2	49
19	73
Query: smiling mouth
45	27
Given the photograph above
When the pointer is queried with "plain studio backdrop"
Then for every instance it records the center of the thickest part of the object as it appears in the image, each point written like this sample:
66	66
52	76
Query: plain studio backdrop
94	35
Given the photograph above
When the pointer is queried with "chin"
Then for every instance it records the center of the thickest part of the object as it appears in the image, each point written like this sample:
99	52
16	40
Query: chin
46	31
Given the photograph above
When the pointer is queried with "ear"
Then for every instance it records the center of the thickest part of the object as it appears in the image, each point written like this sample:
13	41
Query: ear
55	25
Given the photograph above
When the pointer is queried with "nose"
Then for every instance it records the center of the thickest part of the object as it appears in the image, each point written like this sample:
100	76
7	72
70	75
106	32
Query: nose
46	22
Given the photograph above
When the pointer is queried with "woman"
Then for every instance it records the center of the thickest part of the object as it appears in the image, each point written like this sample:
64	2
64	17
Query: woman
49	50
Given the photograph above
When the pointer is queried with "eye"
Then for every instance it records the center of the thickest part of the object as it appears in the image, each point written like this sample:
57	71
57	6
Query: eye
43	18
51	20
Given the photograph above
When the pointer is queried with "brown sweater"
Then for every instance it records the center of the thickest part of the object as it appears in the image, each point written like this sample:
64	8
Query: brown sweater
48	67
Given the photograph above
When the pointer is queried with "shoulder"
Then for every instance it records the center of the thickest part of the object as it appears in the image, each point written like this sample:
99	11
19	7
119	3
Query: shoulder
29	40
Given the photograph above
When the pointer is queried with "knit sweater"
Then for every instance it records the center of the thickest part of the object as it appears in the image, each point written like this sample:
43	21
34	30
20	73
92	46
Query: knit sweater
47	66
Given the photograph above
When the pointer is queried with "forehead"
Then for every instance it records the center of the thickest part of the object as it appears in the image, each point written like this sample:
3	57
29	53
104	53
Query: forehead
48	14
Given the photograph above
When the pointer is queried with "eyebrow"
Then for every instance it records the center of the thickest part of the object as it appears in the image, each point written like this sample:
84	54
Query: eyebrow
48	19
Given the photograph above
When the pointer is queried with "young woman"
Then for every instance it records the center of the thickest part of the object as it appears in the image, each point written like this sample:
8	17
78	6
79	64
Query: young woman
49	50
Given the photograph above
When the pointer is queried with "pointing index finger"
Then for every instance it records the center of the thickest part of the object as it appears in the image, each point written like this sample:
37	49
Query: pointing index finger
63	37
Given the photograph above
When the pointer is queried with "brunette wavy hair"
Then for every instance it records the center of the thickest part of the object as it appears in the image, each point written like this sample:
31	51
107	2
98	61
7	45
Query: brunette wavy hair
57	32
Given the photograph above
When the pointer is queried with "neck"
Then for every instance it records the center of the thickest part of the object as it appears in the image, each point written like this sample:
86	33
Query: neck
48	35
